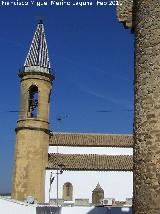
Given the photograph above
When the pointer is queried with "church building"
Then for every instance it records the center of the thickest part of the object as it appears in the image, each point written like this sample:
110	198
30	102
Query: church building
43	156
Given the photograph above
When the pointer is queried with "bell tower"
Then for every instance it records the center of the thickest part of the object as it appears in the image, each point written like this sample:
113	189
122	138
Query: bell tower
32	131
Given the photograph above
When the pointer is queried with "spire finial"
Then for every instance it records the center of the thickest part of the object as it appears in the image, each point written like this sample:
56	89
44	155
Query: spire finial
40	21
98	186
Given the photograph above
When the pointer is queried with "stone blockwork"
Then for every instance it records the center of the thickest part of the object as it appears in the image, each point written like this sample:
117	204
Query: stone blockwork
32	139
125	12
147	107
30	163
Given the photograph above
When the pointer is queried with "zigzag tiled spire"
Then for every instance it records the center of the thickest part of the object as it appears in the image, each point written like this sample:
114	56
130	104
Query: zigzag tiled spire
37	58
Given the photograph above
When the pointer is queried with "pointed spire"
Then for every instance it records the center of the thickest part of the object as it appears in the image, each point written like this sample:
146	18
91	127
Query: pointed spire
98	186
37	58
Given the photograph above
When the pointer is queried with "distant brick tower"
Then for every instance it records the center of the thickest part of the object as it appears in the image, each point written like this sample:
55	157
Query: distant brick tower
32	134
97	195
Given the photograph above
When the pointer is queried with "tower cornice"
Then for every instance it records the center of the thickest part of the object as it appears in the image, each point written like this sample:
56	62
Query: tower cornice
23	73
47	131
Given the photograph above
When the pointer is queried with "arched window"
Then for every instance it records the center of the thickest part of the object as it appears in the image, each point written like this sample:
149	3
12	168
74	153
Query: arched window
33	101
68	191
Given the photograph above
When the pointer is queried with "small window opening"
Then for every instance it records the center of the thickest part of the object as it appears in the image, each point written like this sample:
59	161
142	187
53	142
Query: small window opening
68	187
33	101
49	97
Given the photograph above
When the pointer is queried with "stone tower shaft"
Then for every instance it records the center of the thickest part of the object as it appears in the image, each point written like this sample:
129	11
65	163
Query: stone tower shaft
147	107
143	16
32	131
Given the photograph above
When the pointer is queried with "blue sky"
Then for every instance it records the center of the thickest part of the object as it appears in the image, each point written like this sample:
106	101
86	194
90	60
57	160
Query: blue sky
92	57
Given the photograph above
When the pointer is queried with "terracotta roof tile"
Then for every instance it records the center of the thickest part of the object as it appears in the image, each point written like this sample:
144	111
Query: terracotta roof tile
91	162
94	140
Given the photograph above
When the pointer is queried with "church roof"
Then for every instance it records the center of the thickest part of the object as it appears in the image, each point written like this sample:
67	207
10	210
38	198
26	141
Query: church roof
37	58
93	140
90	162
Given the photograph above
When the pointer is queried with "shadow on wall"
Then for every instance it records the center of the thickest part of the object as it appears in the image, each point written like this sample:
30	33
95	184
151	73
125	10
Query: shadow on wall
97	210
48	210
111	210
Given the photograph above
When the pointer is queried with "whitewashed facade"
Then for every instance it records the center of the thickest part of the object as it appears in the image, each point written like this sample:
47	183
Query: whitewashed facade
117	185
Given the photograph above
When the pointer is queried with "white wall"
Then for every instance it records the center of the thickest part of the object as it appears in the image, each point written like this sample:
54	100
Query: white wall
118	185
15	207
91	150
8	206
115	184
